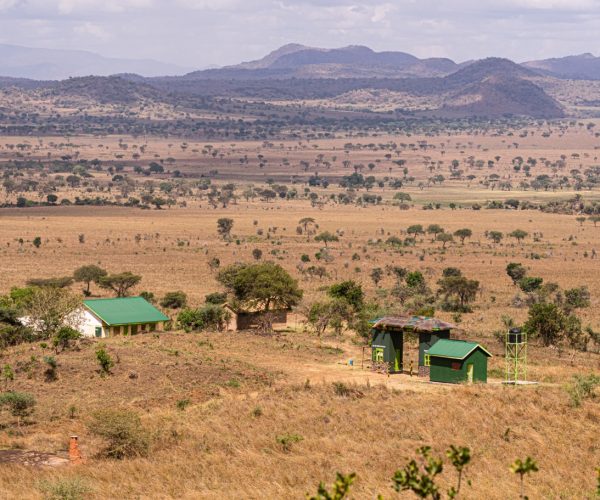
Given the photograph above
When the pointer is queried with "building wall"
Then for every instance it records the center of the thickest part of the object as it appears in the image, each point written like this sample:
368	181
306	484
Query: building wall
455	371
392	344
426	340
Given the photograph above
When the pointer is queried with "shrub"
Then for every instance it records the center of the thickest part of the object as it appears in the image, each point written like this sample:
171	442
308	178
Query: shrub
583	387
64	489
207	317
104	360
216	298
287	440
174	300
123	432
51	367
20	404
64	337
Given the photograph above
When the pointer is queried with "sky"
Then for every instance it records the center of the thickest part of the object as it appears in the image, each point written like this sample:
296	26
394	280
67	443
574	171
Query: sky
202	33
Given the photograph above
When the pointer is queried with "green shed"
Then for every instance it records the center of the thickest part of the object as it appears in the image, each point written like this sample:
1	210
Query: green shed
456	361
387	340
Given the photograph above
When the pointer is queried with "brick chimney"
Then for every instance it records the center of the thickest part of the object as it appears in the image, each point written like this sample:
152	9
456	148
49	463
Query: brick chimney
75	457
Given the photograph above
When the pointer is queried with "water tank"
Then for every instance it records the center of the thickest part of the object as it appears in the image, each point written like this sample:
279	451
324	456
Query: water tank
516	336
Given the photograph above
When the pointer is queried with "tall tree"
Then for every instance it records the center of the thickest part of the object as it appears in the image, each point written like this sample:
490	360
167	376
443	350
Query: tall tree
119	283
88	274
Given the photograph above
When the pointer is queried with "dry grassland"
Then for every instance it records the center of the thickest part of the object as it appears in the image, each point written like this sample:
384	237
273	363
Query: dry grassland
221	446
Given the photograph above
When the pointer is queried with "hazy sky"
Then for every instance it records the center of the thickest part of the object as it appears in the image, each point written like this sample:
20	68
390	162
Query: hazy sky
197	33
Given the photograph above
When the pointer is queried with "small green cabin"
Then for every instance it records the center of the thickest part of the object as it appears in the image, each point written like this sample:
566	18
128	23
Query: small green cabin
387	340
457	361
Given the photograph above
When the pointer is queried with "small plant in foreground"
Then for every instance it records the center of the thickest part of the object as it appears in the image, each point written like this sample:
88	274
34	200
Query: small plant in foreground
64	489
340	488
523	468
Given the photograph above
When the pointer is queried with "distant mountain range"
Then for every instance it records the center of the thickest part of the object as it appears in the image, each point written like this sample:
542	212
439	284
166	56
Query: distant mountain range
581	67
51	64
343	76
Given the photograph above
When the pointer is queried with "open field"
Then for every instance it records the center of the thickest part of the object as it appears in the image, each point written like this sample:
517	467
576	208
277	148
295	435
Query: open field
243	390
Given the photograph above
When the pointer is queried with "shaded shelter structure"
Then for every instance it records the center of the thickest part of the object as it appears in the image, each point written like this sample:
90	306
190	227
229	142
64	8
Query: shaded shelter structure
387	341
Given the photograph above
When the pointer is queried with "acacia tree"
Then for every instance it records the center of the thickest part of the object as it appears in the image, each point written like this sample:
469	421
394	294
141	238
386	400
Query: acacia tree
119	283
519	235
305	222
263	286
224	227
463	234
89	274
326	237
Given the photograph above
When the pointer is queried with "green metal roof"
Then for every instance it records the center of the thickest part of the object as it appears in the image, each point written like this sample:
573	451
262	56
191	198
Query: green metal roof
454	349
125	311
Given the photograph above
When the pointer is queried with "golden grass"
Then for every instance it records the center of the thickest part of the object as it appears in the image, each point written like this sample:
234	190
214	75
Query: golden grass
219	448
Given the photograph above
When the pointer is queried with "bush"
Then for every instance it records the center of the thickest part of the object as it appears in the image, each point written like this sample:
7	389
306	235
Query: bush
207	317
20	404
216	298
123	432
64	337
287	440
64	489
174	300
583	387
104	360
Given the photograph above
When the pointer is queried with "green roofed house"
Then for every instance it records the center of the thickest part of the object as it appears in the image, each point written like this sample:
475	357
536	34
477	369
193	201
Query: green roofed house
456	361
126	315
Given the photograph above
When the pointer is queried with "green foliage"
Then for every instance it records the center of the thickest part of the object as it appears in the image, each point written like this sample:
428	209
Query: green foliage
64	338
577	298
89	274
519	234
207	317
261	286
20	404
523	468
415	229
216	298
119	283
123	432
350	291
182	404
340	488
147	296
64	489
287	440
376	275
530	284
516	272
326	237
224	227
458	292
415	280
51	367
583	387
174	300
37	242
463	234
331	314
495	236
104	360
59	282
420	478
